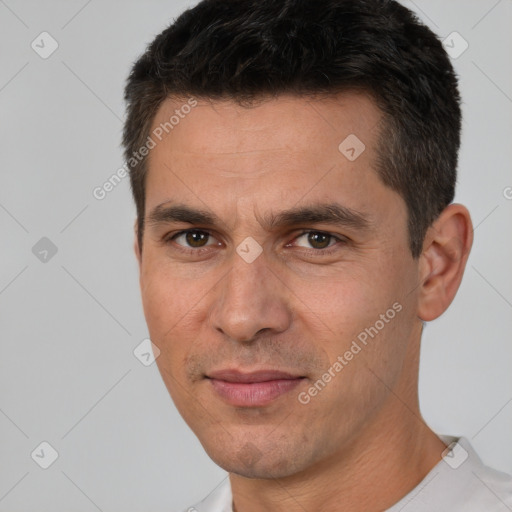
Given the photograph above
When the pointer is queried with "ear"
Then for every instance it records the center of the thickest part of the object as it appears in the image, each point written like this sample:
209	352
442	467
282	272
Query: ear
136	247
442	262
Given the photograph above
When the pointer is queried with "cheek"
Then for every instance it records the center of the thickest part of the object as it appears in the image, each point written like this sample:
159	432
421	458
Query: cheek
166	303
159	304
370	315
349	304
175	309
166	298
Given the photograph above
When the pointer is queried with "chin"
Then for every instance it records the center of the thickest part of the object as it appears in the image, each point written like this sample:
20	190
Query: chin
264	462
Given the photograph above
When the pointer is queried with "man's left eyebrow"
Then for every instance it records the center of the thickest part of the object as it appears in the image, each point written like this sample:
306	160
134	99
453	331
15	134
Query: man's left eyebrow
332	214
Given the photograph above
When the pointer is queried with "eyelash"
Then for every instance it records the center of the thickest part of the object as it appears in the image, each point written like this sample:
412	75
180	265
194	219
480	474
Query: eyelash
311	252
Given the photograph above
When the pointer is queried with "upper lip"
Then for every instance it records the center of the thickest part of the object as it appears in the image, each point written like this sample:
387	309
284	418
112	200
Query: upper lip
249	377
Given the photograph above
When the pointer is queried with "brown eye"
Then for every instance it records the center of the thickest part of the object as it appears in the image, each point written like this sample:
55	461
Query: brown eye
316	240
319	240
196	238
192	238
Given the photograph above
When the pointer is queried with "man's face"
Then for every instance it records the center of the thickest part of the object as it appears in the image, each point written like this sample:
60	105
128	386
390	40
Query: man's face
247	326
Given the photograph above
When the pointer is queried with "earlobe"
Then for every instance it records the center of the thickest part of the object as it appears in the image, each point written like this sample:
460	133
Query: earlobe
443	260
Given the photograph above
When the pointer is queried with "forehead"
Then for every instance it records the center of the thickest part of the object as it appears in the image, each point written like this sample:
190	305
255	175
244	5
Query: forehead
288	122
280	151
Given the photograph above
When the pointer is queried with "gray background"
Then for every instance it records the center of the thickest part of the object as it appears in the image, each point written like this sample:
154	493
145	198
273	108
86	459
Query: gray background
69	324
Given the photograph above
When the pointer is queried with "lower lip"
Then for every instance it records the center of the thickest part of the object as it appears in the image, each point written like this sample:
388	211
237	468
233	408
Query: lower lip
253	394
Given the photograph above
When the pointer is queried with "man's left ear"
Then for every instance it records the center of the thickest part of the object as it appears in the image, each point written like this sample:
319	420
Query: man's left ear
445	252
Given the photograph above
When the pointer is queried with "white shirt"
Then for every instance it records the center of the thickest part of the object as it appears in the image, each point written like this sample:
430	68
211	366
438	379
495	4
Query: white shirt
460	482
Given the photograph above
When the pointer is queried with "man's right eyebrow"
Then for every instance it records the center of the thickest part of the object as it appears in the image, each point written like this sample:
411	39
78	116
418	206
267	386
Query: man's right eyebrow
164	214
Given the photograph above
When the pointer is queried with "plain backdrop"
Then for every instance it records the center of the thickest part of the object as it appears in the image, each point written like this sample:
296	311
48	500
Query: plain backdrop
71	319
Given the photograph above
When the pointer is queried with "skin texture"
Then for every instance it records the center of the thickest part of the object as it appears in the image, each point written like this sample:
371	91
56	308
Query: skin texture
360	443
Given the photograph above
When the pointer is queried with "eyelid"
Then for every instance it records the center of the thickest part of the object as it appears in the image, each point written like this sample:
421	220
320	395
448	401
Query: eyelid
319	231
172	236
330	250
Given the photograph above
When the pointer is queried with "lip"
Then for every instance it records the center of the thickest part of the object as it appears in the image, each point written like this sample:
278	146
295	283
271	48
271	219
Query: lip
251	377
252	389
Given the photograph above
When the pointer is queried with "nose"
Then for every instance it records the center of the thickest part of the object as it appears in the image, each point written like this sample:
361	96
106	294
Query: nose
250	300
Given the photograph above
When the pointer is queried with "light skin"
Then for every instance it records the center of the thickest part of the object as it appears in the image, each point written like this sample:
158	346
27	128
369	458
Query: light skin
360	444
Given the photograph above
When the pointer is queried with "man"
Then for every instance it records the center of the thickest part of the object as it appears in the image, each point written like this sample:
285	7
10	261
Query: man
293	165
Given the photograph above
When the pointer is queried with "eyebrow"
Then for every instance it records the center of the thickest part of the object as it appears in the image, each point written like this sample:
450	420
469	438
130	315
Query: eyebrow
163	214
332	213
